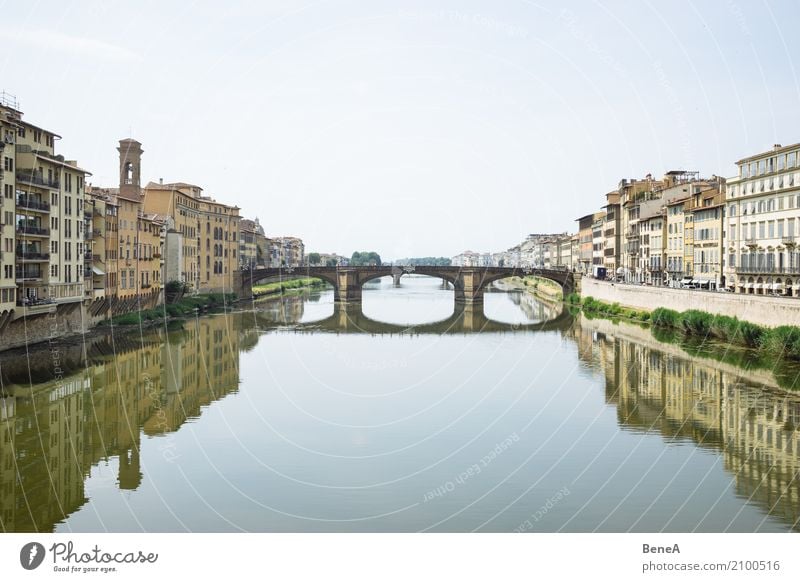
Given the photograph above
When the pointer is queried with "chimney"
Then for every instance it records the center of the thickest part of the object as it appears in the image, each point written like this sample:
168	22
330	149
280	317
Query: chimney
777	146
161	180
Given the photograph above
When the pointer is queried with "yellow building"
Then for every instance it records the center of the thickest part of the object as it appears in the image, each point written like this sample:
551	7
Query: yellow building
218	228
42	249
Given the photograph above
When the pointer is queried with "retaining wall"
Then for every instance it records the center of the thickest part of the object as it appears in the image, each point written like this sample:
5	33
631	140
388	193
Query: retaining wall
768	311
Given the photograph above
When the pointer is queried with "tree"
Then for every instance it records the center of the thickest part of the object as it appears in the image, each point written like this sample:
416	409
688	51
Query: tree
330	263
366	258
313	258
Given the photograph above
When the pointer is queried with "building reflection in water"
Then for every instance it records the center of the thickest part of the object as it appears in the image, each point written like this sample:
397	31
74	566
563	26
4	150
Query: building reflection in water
132	387
52	433
657	388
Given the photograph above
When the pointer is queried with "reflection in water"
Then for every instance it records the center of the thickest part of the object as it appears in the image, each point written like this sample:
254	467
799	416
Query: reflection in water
316	437
53	433
658	389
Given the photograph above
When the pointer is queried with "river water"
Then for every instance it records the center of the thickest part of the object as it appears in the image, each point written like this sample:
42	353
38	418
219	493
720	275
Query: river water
295	415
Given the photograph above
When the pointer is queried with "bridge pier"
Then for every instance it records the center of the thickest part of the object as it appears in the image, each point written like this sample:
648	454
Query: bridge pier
348	287
469	287
396	279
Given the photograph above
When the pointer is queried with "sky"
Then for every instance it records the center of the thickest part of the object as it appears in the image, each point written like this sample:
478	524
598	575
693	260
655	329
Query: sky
409	128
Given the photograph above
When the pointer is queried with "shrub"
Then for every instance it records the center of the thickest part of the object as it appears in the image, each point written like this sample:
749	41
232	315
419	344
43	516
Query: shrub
696	322
662	317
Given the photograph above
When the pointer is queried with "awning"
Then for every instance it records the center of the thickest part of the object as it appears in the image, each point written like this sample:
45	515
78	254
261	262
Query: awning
759	285
750	285
686	280
777	285
97	270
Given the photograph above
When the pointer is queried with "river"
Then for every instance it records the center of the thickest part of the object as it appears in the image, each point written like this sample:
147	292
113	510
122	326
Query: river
294	415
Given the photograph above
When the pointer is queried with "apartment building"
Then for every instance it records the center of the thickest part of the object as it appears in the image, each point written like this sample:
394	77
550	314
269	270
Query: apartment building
707	235
179	202
598	240
635	197
41	256
651	246
586	241
218	228
287	251
611	233
763	223
251	243
677	211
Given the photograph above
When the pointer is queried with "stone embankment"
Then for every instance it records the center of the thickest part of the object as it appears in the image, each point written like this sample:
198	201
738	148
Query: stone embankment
762	310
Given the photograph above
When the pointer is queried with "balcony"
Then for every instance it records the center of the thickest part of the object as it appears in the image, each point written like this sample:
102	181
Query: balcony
87	255
751	242
25	229
27	256
767	270
24	275
37	179
789	241
32	204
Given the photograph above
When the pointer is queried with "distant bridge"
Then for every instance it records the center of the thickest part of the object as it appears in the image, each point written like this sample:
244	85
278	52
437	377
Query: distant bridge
469	283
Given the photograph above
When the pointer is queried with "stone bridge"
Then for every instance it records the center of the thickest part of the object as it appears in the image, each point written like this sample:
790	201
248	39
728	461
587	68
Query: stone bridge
469	283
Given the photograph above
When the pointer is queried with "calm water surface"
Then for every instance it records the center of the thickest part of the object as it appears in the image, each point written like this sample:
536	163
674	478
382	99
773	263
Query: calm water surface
403	415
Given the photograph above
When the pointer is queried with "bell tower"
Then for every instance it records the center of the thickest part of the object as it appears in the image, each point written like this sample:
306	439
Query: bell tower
130	160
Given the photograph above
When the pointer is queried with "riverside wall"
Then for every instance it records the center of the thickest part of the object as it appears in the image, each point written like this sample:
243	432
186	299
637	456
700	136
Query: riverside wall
767	311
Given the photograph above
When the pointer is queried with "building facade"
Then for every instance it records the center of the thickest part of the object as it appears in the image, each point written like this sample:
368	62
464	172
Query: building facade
762	223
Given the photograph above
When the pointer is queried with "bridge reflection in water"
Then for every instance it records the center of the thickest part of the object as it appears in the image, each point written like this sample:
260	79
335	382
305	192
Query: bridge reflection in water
118	391
350	318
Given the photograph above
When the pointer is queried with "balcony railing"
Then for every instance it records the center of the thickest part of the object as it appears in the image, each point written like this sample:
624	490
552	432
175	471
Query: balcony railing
767	270
25	202
37	179
25	255
751	242
87	255
36	230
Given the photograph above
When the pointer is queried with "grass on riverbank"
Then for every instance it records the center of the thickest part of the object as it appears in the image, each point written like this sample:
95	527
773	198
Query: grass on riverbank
778	342
595	308
283	286
185	306
545	287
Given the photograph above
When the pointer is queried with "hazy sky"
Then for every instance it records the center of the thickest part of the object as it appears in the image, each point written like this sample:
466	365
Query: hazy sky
410	128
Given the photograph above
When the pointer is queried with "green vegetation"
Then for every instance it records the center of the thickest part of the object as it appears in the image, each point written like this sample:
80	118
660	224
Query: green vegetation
425	261
778	342
364	259
545	287
185	306
283	286
313	259
719	337
594	308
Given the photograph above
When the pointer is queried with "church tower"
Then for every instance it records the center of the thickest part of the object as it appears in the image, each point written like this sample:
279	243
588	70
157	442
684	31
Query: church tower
130	160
